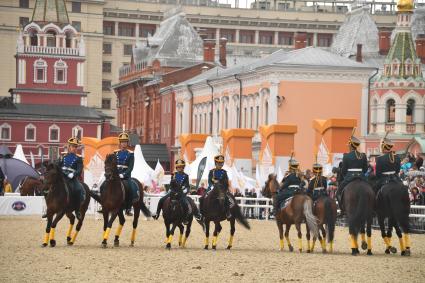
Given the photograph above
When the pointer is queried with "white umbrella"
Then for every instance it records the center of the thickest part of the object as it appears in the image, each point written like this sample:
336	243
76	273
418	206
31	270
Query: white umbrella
19	154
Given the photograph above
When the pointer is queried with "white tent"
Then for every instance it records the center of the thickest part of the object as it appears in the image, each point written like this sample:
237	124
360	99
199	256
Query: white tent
19	154
158	173
95	170
209	150
279	174
141	170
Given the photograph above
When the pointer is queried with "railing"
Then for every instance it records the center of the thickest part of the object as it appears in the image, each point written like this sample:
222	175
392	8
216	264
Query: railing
410	128
389	127
126	70
52	50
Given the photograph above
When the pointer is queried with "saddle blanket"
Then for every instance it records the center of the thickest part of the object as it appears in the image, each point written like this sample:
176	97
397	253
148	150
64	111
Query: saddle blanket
285	203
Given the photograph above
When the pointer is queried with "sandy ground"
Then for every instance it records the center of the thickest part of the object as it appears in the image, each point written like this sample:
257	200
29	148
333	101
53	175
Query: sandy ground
254	258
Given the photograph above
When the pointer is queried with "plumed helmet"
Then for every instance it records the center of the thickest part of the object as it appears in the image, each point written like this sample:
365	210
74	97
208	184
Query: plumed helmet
293	164
354	142
387	144
180	163
317	168
74	141
219	158
123	137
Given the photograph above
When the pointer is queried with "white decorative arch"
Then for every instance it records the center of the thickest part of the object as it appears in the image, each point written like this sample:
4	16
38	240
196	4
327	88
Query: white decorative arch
40	76
5	126
30	126
31	26
54	127
412	95
52	26
77	130
69	28
388	95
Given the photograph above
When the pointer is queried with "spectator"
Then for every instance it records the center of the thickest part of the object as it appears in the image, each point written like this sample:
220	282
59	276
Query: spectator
253	194
238	193
405	165
419	161
201	190
7	187
2	177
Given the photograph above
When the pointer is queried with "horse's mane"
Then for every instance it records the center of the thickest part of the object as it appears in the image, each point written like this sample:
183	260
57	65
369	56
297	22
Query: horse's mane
110	158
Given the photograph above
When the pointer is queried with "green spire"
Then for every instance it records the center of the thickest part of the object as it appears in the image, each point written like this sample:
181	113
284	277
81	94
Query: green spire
50	11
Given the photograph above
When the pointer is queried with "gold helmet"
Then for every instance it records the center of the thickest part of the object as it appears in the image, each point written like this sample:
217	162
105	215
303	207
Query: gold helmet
219	158
317	168
387	144
123	137
180	163
74	141
353	141
293	164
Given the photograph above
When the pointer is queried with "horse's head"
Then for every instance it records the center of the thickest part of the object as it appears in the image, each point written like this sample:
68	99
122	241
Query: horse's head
111	170
53	173
271	186
219	190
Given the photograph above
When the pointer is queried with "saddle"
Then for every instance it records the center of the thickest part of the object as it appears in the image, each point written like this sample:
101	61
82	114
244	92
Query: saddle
127	188
285	203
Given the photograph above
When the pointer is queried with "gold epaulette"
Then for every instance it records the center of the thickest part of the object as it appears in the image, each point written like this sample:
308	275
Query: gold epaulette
129	151
64	153
312	178
78	155
117	150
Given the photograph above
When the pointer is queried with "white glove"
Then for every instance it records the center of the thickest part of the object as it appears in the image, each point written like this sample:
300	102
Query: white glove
185	191
71	175
121	176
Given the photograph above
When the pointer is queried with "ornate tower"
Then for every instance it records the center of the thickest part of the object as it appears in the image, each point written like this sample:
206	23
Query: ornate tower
50	57
397	95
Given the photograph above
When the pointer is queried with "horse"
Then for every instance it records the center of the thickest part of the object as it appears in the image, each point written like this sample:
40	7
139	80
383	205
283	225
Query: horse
60	201
30	186
271	188
173	215
113	198
213	210
298	209
326	211
392	203
359	200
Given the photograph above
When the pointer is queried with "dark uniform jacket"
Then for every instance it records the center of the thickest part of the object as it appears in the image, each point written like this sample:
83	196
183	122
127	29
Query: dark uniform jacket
71	163
317	182
291	179
384	164
218	175
183	180
353	160
125	162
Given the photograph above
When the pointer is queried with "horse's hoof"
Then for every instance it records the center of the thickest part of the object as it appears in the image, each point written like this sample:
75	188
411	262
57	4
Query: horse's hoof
214	247
116	243
70	243
387	251
44	245
104	244
369	252
357	251
407	252
300	250
393	250
52	243
132	244
291	248
324	251
180	244
206	247
168	246
403	253
68	239
229	247
364	245
353	252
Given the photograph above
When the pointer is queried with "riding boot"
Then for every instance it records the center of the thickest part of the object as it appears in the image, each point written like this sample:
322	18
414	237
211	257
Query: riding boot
340	203
159	207
227	208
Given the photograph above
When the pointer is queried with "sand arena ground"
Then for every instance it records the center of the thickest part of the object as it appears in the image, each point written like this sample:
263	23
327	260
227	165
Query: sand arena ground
254	258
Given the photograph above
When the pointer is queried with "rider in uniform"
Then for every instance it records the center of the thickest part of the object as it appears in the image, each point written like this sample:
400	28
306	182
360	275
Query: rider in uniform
354	166
218	174
318	183
72	165
183	180
290	184
125	163
387	165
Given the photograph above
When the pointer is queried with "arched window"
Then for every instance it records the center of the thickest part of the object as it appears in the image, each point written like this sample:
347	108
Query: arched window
200	123
68	39
30	134
33	38
266	113
218	121
77	131
181	123
196	123
374	115
5	132
40	71
61	72
390	109
54	133
226	118
205	123
51	38
410	111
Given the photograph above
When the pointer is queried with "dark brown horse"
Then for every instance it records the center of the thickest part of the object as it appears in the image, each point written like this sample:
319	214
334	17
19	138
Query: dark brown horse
298	210
60	201
359	199
213	209
113	197
271	188
174	216
325	210
30	186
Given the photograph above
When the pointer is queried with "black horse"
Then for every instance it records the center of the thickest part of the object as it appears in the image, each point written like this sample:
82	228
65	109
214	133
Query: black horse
359	200
213	209
392	203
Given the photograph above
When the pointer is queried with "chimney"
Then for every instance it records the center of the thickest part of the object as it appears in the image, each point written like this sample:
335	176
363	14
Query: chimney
384	42
300	40
223	51
209	50
359	57
420	47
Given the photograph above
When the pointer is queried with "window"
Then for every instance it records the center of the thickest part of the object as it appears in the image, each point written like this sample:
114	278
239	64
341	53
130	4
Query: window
54	133
107	48
60	72
30	132
228	34
51	39
218	121
106	67
324	40
390	111
245	118
40	70
251	118
246	36
209	33
410	111
76	25
108	28
266	37
33	39
106	104
23	21
128	49
266	114
145	30
106	85
257	117
24	3
286	38
5	131
76	7
77	131
126	29
226	118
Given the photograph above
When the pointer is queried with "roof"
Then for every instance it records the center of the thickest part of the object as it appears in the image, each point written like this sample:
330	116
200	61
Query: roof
50	11
153	152
418	22
49	111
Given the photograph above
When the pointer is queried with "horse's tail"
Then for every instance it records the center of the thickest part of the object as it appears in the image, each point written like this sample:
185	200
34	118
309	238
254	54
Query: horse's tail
310	219
400	207
329	219
145	210
236	212
94	196
360	215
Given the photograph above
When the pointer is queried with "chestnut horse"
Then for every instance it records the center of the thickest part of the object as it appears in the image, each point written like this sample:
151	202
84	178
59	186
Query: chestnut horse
325	210
271	188
30	186
60	201
113	195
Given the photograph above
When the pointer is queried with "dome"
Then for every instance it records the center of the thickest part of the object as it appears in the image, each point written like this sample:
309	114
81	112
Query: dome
405	5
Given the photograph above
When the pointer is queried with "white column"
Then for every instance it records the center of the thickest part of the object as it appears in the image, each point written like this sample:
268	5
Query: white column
137	30
315	39
257	35
364	111
274	93
276	38
99	132
217	41
237	36
116	28
185	116
400	118
380	119
419	116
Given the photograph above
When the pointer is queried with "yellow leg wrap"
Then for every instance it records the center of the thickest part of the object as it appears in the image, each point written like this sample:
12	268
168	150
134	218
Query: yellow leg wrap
170	239
300	244
52	234
207	241
288	241
407	240
133	235
180	239
46	238
119	229
184	241
387	245
353	242
402	248
389	241
214	241
106	234
331	246
231	241
313	244
281	244
323	244
363	237
74	237
369	243
68	234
